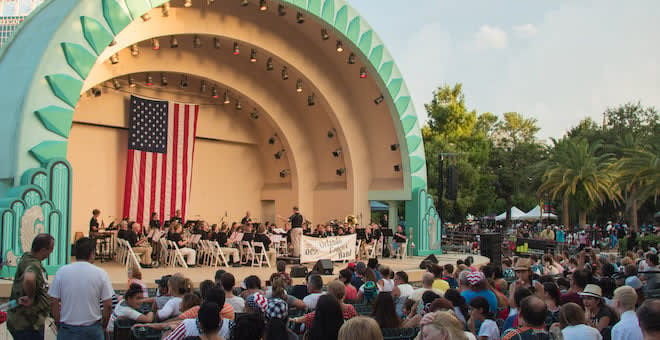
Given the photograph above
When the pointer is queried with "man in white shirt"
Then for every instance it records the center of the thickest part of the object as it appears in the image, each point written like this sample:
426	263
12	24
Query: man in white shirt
75	294
627	328
314	288
427	284
228	282
403	288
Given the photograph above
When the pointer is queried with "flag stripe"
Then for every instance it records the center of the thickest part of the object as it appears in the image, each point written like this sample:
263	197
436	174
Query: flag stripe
143	213
135	187
128	182
142	181
184	163
154	182
175	154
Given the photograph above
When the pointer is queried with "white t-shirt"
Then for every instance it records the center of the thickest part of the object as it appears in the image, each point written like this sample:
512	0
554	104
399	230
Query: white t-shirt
80	286
405	289
582	332
171	309
489	328
311	300
122	311
188	327
388	285
237	303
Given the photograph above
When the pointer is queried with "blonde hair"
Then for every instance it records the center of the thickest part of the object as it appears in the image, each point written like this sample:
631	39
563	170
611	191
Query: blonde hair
337	289
627	297
448	324
360	327
261	229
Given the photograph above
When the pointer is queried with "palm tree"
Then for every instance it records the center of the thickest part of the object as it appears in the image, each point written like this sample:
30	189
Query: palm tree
580	174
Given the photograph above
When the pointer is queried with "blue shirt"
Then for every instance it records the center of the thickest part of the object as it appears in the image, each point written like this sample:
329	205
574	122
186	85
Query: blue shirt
560	236
490	297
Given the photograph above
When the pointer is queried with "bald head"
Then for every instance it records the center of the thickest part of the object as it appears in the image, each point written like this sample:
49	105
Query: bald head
533	310
427	280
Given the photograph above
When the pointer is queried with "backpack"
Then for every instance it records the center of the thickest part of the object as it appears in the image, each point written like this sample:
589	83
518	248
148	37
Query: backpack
370	291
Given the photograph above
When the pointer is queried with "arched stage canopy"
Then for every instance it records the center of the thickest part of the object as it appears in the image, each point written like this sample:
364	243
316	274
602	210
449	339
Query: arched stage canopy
315	84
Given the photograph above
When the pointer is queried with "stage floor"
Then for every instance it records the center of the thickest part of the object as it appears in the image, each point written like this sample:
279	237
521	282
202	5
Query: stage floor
119	278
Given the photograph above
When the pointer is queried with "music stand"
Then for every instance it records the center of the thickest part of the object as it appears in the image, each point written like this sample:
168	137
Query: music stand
385	232
361	234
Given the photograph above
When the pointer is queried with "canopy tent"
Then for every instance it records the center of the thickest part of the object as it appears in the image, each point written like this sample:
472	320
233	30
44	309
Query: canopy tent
535	214
516	214
379	206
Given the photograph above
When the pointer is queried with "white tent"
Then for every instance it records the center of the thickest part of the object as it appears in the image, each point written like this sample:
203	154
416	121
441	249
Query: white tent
535	214
516	215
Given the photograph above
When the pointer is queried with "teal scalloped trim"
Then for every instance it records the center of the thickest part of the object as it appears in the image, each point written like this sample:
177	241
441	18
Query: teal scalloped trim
341	20
314	7
408	123
353	32
394	87
413	143
418	183
95	34
48	150
138	7
65	87
376	56
56	119
115	15
416	163
328	11
386	71
365	42
79	58
402	104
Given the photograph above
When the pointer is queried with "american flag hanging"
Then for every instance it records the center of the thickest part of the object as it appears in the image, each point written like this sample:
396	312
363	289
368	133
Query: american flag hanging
161	144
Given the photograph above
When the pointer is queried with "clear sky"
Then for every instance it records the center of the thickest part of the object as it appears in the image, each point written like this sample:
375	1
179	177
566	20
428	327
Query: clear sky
558	61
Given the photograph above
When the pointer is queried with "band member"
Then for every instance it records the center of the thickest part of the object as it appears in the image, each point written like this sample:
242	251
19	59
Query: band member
154	222
296	221
247	219
175	235
94	222
139	244
177	217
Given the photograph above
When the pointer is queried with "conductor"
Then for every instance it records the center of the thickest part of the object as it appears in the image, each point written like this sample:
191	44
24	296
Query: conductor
296	221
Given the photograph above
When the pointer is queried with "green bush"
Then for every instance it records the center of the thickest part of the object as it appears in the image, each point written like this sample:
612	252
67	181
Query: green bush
645	243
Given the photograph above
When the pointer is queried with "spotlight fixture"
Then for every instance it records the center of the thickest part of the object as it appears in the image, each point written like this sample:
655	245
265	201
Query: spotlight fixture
131	82
135	50
271	140
332	132
254	115
285	73
363	72
166	9
336	153
155	44
281	10
269	64
299	18
263	6
96	92
202	86
244	3
209	2
340	46
237	50
284	173
299	88
226	101
340	171
214	93
149	80
253	56
324	34
397	168
394	147
174	43
379	99
114	59
187	3
279	154
238	106
216	42
310	100
146	17
197	41
116	84
351	59
163	79
184	82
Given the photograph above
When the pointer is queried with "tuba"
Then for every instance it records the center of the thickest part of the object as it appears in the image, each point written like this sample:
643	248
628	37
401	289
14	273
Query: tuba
350	220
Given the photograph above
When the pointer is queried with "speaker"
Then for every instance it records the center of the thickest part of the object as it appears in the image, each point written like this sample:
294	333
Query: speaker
429	259
491	247
324	266
298	271
452	182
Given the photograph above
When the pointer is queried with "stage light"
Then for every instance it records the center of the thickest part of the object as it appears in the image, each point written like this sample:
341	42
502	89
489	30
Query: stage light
332	132
269	64
166	9
397	168
155	43
285	73
394	147
114	59
116	84
379	99
336	153
135	50
271	140
253	56
340	171
340	46
244	3
149	80
202	86
214	93
299	88
131	82
238	106
216	42
184	82
363	72
284	173
146	17
163	79
254	115
310	100
279	154
197	42
187	3
209	2
174	43
226	101
281	10
263	6
351	59
237	50
299	18
324	34
96	92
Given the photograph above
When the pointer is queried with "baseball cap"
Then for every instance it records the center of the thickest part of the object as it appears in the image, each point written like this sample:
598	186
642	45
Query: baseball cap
634	282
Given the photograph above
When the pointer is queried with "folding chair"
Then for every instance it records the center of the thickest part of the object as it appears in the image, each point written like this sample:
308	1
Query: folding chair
217	255
177	255
249	256
260	255
131	255
165	252
402	251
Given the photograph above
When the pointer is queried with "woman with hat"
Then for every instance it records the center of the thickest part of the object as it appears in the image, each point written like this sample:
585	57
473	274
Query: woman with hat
598	315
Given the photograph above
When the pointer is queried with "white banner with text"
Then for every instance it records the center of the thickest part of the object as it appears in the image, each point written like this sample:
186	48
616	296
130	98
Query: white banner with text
336	248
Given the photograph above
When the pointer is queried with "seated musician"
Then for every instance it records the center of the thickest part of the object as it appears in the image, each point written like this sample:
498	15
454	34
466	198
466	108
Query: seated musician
123	229
94	225
222	235
262	237
177	217
175	235
399	237
154	222
248	236
139	243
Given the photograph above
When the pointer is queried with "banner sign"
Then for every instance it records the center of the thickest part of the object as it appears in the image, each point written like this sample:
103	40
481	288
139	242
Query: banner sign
336	248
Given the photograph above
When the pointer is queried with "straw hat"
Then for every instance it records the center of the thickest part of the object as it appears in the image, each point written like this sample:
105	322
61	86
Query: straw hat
522	264
593	291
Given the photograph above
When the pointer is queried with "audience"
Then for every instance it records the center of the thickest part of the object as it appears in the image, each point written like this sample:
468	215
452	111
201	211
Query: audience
572	322
362	328
384	312
625	299
328	319
314	289
649	319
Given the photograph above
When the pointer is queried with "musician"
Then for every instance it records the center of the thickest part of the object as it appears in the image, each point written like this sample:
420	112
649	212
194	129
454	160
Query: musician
296	221
123	229
139	243
399	237
383	221
261	236
154	223
177	217
94	222
205	230
175	235
247	219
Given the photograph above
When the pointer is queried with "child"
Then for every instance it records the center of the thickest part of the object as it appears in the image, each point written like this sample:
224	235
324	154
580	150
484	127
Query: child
481	313
135	277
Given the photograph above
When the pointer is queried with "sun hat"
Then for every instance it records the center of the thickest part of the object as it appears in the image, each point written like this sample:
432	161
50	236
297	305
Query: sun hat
475	277
522	265
277	309
592	290
257	302
634	282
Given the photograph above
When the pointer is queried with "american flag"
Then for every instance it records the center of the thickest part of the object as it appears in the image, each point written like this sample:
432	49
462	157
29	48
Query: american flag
161	144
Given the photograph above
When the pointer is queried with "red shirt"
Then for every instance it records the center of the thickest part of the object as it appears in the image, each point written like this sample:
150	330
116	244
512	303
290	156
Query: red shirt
351	292
347	310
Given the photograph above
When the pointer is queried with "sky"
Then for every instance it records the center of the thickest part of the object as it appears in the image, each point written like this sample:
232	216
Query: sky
558	61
